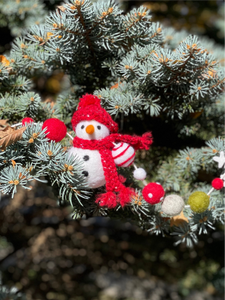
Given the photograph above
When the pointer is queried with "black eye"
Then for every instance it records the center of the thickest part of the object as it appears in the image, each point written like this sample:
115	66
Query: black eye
82	127
99	127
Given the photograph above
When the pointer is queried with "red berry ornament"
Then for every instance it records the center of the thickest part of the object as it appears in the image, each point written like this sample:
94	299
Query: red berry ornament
56	129
153	193
217	183
27	120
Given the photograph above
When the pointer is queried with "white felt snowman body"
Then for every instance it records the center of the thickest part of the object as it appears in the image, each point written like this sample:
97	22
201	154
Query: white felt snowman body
92	165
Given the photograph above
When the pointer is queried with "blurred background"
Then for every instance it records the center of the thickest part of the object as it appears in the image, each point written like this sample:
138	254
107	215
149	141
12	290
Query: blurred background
47	255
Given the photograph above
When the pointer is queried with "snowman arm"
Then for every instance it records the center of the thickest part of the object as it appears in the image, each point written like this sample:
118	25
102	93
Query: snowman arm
146	141
137	142
70	136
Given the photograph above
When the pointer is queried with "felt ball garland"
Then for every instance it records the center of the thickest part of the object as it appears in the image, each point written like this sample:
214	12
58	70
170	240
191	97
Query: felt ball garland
217	183
172	205
153	193
123	155
139	174
27	121
56	129
198	201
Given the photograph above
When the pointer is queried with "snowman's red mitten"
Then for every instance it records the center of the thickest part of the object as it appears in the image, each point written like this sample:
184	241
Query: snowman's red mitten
122	179
138	142
55	129
145	141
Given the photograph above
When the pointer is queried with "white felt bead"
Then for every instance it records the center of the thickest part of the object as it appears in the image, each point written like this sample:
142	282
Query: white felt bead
139	174
123	154
172	205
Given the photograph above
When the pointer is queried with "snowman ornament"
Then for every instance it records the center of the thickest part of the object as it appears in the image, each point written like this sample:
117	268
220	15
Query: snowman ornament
101	149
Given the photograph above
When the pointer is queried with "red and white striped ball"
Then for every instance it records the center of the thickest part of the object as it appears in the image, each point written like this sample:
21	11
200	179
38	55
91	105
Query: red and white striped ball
123	154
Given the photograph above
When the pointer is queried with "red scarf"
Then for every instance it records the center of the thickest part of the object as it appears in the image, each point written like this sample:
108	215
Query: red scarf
116	191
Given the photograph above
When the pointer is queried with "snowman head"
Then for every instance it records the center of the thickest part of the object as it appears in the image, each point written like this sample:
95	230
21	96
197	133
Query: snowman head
91	130
90	112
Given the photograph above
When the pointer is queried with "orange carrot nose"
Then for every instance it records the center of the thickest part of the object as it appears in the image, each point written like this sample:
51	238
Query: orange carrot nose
90	129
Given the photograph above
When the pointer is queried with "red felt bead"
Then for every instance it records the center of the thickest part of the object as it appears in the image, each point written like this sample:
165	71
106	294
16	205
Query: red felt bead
217	183
56	129
27	120
153	193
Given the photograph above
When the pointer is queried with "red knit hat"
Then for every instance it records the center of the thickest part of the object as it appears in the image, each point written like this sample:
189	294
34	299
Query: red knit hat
90	108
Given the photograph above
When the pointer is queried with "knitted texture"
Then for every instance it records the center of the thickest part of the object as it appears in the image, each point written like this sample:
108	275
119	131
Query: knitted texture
56	129
137	142
89	108
116	192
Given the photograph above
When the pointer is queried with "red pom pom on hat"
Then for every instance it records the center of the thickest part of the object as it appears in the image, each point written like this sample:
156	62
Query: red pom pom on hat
87	100
153	193
56	129
27	120
217	183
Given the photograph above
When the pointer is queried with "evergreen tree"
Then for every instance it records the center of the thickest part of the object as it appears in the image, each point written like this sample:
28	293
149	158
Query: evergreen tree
148	78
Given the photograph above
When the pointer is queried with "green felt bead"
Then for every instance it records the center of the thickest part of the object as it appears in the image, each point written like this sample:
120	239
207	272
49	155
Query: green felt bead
198	201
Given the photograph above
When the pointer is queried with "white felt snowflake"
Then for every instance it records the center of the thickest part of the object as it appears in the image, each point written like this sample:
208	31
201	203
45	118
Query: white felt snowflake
220	159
